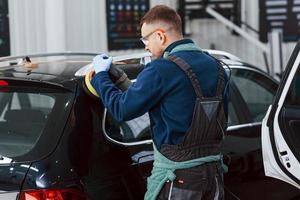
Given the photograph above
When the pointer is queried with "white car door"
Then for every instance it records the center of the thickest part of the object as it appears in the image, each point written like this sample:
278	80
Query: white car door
281	127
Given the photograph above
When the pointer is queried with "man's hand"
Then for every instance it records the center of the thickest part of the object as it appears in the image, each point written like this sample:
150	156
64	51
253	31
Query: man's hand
102	63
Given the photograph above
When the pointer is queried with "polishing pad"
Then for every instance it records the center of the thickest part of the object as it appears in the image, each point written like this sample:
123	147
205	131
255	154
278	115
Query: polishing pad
87	80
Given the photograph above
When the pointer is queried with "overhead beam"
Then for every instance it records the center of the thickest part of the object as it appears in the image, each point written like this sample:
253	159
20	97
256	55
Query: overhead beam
237	29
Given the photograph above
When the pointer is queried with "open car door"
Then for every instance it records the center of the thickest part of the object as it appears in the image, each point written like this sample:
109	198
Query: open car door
281	127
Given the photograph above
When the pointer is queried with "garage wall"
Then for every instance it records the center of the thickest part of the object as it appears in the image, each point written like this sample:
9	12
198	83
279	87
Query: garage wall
26	21
60	25
209	33
80	25
56	25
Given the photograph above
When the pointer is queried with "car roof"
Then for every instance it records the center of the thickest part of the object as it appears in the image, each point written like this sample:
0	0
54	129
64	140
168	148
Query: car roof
59	66
66	66
44	67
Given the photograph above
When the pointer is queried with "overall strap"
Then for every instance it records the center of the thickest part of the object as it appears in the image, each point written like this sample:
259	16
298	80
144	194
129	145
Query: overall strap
188	70
221	80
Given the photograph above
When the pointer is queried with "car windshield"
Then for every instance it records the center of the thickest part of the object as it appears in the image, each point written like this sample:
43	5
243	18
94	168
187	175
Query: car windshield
25	112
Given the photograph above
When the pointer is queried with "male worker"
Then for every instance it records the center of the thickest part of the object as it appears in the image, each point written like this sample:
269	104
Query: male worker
183	90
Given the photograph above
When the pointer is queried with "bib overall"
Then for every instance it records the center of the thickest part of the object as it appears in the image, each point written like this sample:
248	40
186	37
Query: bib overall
193	168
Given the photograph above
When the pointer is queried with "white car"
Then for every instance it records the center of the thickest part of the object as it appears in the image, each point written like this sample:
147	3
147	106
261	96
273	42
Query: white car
281	127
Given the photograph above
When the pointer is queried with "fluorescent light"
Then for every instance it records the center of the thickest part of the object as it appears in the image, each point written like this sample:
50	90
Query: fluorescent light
276	10
276	3
277	17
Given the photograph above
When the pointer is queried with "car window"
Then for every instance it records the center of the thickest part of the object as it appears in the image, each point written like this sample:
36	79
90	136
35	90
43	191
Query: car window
250	85
134	130
232	116
257	90
24	113
129	131
139	128
31	100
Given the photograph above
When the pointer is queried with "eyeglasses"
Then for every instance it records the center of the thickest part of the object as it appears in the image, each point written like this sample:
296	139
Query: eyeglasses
145	38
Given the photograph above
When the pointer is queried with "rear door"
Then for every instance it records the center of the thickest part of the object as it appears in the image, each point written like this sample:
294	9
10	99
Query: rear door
122	153
281	125
27	110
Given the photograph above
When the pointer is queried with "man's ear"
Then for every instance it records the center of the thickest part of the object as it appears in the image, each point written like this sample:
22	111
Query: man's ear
162	37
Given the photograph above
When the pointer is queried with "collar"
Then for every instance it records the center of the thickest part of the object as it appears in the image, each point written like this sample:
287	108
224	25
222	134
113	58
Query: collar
181	45
178	42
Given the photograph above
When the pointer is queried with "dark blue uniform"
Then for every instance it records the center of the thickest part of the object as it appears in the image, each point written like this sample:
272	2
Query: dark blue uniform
165	91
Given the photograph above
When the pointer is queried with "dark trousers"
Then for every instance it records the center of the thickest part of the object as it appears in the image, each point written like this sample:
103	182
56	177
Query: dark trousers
201	182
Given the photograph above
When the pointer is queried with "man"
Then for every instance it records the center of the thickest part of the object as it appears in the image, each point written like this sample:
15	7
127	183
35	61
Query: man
183	90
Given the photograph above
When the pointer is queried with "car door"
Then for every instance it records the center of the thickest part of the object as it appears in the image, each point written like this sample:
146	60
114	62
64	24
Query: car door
121	155
280	128
252	91
241	146
25	110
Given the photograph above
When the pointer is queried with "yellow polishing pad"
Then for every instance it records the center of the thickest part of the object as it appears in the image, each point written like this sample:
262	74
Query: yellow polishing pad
87	80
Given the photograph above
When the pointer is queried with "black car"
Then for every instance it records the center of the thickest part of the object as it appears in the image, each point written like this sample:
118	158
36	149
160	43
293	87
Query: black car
57	140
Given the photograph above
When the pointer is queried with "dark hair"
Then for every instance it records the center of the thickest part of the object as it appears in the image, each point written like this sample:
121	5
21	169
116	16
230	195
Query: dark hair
165	14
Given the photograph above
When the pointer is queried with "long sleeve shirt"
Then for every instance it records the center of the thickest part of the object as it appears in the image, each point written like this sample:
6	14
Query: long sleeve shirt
163	90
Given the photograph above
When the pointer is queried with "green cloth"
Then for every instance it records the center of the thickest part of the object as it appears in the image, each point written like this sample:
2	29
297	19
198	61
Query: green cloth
163	171
183	47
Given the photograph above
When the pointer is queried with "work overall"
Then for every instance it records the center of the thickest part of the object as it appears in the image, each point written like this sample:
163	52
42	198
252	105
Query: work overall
193	169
